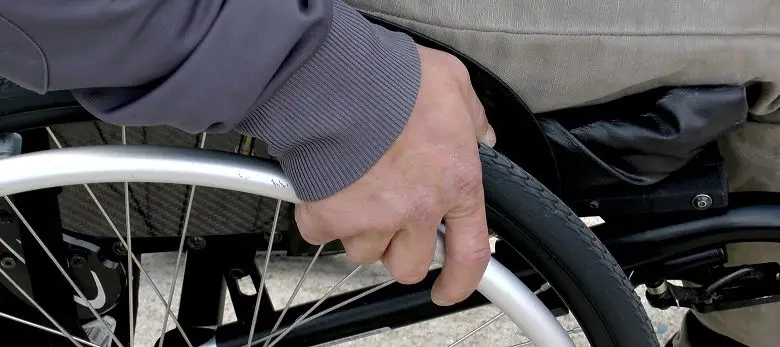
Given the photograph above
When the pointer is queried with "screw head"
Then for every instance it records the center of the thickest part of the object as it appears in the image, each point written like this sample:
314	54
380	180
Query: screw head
277	236
8	262
702	202
119	248
196	243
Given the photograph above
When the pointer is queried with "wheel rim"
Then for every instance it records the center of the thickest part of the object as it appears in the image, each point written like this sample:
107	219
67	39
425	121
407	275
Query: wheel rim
234	172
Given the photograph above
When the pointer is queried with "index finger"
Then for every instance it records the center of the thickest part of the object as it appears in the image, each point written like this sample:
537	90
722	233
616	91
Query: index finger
467	251
484	132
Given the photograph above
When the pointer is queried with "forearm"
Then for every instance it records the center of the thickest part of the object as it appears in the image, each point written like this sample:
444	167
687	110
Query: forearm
328	91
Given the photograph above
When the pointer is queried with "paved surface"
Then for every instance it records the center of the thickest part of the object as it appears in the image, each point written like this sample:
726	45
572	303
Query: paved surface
284	273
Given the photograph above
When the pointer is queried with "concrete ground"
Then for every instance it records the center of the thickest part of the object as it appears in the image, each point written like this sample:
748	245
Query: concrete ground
284	272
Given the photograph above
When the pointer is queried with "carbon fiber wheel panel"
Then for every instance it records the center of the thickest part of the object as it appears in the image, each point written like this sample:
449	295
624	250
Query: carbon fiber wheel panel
159	209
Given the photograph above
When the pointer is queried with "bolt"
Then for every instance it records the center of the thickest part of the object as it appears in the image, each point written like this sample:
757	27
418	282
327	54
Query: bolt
236	273
277	236
119	248
77	260
196	243
702	202
8	262
594	204
657	288
5	217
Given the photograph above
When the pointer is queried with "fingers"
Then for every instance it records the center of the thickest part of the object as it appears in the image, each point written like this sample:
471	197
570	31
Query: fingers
410	253
366	248
431	170
477	112
482	129
364	236
468	251
308	228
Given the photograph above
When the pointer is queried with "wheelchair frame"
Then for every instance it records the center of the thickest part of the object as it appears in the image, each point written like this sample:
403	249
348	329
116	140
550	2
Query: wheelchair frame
652	244
651	247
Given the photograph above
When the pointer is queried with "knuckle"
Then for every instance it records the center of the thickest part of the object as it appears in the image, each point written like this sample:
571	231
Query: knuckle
363	256
342	232
301	215
312	228
468	180
389	224
314	237
382	226
314	240
452	66
473	256
457	68
425	207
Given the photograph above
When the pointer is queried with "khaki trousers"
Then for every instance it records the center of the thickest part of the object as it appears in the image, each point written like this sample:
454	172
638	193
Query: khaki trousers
558	54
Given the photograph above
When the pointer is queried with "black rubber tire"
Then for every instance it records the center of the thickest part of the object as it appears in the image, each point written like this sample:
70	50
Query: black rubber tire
536	224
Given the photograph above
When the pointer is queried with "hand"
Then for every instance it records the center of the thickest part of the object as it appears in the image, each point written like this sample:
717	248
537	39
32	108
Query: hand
432	172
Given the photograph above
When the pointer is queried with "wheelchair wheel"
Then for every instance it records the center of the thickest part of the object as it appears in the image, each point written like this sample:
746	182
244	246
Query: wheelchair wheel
539	241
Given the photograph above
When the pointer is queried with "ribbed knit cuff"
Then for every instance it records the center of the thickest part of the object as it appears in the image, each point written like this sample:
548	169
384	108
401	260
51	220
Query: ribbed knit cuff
339	112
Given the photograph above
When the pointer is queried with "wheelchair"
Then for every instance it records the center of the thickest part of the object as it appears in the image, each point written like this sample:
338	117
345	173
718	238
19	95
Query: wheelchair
84	200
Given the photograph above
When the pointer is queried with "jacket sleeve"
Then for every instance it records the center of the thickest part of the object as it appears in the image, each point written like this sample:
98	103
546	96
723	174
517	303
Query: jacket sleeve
328	91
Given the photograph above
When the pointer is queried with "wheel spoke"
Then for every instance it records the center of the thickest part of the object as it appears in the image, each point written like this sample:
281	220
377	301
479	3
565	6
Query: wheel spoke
61	270
571	331
138	263
179	252
294	293
298	323
263	275
130	254
543	288
159	295
131	312
317	304
33	302
47	329
477	329
273	337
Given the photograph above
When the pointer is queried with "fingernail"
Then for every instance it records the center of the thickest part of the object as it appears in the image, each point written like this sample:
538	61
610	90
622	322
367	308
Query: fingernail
490	137
436	298
440	302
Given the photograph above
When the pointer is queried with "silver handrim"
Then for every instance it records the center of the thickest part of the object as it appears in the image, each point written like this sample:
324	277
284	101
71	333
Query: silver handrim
149	164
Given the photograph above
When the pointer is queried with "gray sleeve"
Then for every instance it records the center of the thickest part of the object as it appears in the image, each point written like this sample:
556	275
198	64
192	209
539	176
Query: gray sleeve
328	91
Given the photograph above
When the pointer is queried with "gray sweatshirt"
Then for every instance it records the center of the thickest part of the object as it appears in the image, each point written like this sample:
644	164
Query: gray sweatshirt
328	91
